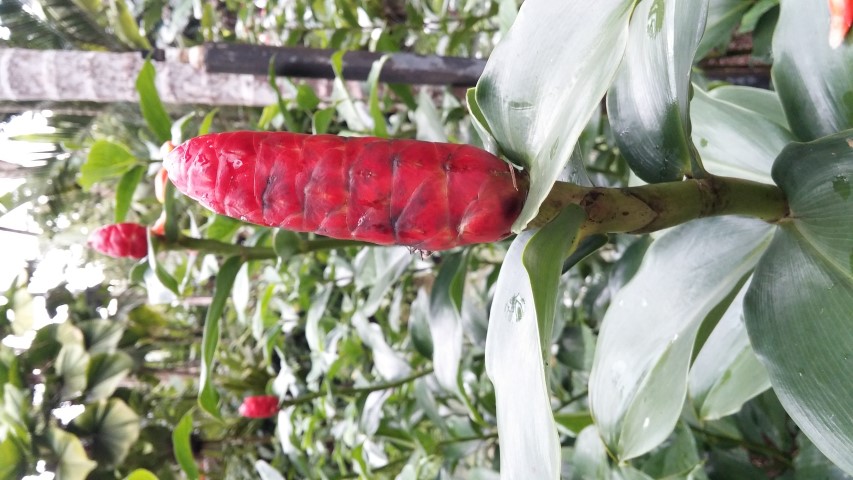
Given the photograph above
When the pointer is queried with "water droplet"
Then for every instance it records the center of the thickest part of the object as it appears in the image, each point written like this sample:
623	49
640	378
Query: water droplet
646	422
841	186
800	373
675	337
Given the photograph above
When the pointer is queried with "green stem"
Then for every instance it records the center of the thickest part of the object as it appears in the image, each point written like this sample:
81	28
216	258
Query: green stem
762	450
207	245
356	390
649	208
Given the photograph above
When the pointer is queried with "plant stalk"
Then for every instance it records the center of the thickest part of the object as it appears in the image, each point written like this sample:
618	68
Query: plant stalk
207	245
653	207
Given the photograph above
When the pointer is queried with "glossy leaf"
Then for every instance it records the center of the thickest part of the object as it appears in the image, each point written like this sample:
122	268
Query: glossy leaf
141	474
639	376
104	373
428	120
445	323
529	444
763	102
149	102
675	458
208	397
590	460
71	365
72	462
649	103
106	160
543	260
733	140
723	17
798	308
726	373
182	448
380	129
814	81
544	80
266	472
112	428
388	362
125	189
14	464
811	464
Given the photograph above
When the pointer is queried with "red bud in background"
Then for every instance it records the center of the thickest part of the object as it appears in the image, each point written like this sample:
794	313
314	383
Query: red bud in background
262	406
840	19
120	240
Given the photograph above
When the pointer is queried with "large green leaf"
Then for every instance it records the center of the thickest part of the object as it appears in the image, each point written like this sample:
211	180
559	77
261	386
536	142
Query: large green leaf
112	428
726	373
71	366
149	102
544	80
639	376
736	140
106	160
208	397
445	322
101	336
125	190
814	81
590	457
723	17
14	464
69	454
649	102
105	372
799	309
182	448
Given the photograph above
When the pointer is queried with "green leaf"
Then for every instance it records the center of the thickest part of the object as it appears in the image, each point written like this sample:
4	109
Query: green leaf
763	102
306	98
321	120
149	102
675	458
170	207
723	17
811	464
530	447
445	322
814	81
125	189
733	140
141	474
14	464
479	122
428	120
105	372
112	427
208	397
206	123
419	325
181	446
162	275
380	129
72	462
545	79
106	160
638	381
71	365
573	422
125	27
101	336
652	129
798	308
726	373
590	458
543	259
266	472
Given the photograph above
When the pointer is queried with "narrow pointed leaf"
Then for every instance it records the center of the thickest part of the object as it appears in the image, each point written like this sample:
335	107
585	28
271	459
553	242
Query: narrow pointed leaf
445	322
726	373
152	107
125	189
544	80
208	397
814	81
639	376
649	103
723	17
590	458
798	309
181	446
763	102
527	432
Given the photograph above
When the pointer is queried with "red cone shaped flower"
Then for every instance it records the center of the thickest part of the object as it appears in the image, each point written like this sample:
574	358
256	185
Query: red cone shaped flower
262	406
841	18
429	196
120	240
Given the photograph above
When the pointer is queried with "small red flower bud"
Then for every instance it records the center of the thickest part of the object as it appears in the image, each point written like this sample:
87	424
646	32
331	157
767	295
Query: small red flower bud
160	185
120	240
841	18
262	406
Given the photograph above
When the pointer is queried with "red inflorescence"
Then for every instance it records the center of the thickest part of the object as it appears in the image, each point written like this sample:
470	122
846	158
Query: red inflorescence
120	240
429	196
841	18
262	406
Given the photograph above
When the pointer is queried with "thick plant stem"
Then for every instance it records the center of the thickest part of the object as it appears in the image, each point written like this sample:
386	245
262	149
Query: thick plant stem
654	207
216	247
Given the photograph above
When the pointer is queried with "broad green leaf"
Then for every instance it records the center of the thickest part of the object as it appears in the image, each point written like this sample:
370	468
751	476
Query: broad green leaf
72	462
125	189
388	362
798	309
71	366
266	472
149	102
478	121
445	323
419	330
383	267
106	160
208	397
590	460
181	446
763	102
380	129
649	102
733	140
206	123
543	260
573	422
112	428
14	464
726	373
164	277
105	372
306	98
428	119
124	25
638	381
101	336
141	474
814	81
811	464
544	80
723	17
674	459
529	444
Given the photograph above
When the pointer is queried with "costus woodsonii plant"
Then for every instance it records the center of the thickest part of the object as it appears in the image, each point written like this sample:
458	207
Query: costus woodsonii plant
120	240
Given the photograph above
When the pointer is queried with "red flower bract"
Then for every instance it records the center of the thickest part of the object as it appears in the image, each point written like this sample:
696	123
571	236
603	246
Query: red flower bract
261	406
429	196
120	240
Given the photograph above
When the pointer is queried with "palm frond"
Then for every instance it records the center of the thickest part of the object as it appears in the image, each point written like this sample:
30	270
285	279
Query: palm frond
85	29
27	30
